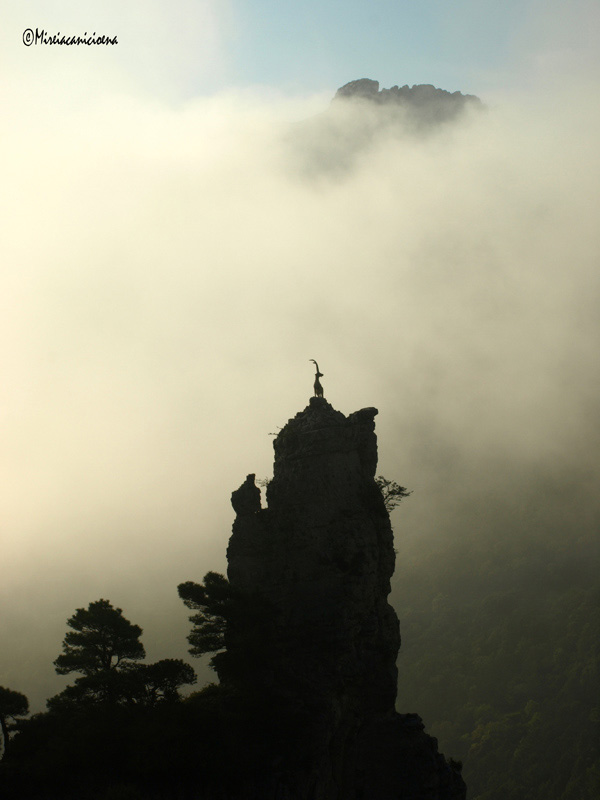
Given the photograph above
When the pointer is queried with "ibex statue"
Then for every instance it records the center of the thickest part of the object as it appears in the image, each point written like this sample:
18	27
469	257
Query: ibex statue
318	387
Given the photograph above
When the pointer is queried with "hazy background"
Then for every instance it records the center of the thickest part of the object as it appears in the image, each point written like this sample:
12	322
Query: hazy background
172	258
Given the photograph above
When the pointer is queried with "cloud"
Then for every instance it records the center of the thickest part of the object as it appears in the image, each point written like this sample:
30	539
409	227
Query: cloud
167	51
168	274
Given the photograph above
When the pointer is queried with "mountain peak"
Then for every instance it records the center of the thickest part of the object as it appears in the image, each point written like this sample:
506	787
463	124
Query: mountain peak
419	95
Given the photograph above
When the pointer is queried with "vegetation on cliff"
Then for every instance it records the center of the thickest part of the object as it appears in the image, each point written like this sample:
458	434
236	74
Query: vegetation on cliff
501	656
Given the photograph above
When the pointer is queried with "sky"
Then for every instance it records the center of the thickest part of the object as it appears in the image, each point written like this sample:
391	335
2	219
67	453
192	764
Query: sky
174	252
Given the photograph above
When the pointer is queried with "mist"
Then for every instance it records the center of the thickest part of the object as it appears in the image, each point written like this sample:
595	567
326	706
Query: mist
169	272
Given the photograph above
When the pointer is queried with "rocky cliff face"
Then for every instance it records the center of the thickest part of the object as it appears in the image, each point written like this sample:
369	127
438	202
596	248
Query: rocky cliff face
423	100
315	635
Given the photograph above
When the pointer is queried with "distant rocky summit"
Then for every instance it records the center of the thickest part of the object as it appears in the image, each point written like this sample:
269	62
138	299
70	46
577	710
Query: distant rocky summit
362	115
418	96
314	635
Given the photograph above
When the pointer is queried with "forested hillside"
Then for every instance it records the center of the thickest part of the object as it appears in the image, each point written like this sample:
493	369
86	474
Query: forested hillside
500	656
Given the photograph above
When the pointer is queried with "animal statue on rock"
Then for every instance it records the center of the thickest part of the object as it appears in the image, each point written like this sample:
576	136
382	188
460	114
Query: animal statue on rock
318	388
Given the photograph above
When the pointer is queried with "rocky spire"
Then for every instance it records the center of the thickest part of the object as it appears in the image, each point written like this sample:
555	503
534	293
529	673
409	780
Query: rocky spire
317	635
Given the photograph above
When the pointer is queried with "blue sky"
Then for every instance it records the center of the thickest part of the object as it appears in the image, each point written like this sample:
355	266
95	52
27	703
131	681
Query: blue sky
189	48
319	44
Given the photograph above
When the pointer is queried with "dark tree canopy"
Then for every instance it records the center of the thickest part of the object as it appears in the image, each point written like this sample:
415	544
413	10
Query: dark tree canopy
102	639
104	686
104	647
133	684
160	682
12	705
213	602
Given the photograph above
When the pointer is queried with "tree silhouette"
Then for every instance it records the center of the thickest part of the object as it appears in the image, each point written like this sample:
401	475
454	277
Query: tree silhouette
104	647
213	602
160	682
102	639
392	492
131	685
12	705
